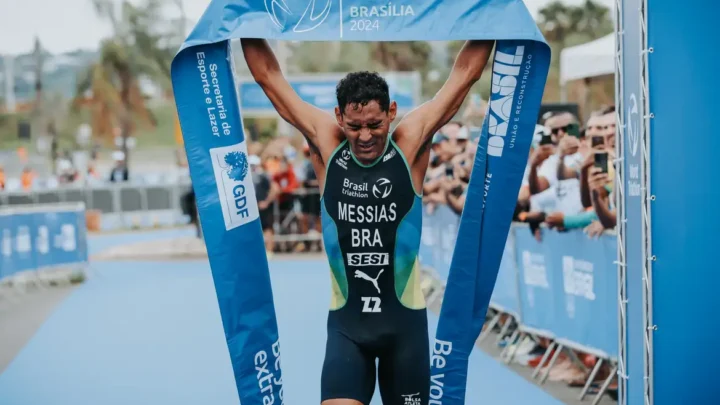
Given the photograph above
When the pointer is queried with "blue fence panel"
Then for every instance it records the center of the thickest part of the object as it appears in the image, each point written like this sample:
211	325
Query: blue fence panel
564	286
538	284
505	295
22	234
38	238
438	239
7	264
587	303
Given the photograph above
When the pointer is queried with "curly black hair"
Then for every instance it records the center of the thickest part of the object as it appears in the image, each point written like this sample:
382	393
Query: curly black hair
360	88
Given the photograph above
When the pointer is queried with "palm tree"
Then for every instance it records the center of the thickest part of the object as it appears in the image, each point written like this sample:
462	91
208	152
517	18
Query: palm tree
114	93
141	46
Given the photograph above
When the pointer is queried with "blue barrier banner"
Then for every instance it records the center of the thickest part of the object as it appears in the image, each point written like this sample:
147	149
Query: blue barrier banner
586	312
320	92
505	295
568	288
7	264
205	94
632	160
538	283
438	239
40	238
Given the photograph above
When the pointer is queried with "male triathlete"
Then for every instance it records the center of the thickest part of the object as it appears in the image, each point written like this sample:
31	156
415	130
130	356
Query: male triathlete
371	211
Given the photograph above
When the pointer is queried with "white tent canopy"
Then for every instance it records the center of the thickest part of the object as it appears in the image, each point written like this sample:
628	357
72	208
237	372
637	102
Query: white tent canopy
591	59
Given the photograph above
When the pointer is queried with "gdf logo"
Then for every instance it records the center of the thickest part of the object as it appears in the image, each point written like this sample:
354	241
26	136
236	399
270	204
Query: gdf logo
279	11
382	188
234	183
633	125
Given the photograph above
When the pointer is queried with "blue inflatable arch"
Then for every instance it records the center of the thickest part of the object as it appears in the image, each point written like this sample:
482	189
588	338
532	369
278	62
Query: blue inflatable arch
210	118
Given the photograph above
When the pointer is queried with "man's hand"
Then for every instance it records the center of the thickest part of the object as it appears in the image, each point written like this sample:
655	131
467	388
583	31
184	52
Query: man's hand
597	181
589	160
541	154
417	128
568	145
460	172
263	205
594	230
556	220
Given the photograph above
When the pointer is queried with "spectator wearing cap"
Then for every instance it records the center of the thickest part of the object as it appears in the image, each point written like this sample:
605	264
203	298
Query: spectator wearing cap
266	192
119	172
462	138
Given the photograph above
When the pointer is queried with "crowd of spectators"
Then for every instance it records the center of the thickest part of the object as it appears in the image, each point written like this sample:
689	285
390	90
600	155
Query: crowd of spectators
66	170
568	179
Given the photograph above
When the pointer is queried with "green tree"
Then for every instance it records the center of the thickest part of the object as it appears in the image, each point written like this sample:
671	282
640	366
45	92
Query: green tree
568	25
142	45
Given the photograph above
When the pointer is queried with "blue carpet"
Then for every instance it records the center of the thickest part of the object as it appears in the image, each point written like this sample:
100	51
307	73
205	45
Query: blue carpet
150	333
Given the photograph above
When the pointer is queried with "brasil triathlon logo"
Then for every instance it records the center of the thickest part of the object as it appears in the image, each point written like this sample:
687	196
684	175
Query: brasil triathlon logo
382	188
236	166
279	13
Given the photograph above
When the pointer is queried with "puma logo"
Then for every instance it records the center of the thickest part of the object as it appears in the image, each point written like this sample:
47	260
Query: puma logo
374	281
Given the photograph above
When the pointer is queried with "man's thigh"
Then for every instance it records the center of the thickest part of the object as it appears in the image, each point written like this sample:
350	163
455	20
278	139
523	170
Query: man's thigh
348	375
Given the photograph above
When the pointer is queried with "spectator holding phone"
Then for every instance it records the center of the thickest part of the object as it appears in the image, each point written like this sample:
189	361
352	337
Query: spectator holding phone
554	183
442	152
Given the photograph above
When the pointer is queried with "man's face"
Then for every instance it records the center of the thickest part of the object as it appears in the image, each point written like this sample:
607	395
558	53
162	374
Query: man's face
366	128
594	127
558	125
607	122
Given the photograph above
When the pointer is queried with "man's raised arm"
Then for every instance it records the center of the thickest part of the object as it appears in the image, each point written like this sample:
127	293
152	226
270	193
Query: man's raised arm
307	118
418	126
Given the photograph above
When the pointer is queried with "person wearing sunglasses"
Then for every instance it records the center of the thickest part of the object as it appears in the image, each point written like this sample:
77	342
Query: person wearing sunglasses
545	165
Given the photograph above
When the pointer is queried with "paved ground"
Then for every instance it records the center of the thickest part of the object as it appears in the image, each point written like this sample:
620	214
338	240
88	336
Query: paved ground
21	318
149	332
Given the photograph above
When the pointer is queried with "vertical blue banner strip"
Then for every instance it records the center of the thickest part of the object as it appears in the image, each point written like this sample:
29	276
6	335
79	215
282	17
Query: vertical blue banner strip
684	230
519	72
217	153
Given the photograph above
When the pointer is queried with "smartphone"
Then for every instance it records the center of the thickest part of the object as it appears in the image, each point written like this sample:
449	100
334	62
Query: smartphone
449	171
457	191
601	161
573	129
597	140
546	139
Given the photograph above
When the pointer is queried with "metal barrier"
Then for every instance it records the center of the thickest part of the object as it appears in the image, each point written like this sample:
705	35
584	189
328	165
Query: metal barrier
140	206
563	288
125	204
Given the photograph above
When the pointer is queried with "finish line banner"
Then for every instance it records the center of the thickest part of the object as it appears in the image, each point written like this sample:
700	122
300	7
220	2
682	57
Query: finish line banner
210	118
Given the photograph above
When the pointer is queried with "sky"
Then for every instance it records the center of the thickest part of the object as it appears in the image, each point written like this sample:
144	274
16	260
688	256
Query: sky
67	25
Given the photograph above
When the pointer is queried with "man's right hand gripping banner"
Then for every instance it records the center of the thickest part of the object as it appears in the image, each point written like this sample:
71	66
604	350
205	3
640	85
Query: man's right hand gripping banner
210	118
